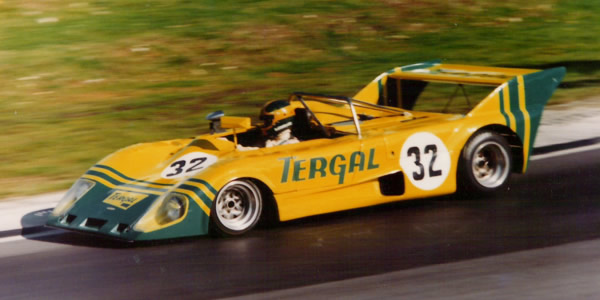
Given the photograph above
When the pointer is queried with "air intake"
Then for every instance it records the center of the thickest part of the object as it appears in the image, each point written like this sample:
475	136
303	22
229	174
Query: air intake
68	219
392	184
94	223
121	228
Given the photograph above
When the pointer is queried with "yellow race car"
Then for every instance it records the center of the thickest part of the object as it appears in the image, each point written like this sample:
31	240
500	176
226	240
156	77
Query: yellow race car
416	131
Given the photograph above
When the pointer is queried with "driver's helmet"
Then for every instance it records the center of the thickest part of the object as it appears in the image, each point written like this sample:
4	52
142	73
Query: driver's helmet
277	116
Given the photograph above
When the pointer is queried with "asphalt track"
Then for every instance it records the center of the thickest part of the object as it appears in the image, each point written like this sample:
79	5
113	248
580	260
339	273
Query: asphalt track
442	247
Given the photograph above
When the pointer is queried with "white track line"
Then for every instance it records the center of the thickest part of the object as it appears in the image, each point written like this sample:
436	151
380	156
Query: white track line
565	152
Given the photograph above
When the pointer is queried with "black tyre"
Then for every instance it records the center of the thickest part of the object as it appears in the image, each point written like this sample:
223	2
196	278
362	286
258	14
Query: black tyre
236	209
485	163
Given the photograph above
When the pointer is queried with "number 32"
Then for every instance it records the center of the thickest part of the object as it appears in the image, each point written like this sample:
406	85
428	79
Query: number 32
416	152
178	166
188	164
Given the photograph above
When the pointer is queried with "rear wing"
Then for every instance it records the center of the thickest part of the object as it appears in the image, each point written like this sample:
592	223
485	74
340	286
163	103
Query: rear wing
380	90
517	101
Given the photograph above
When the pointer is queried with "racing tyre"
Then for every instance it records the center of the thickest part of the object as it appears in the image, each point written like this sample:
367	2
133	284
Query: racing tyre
485	163
236	209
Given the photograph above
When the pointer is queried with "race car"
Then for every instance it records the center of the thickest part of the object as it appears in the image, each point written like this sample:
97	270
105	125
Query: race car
394	140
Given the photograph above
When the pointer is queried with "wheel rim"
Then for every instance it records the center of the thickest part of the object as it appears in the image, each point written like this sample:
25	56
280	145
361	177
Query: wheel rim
238	205
490	164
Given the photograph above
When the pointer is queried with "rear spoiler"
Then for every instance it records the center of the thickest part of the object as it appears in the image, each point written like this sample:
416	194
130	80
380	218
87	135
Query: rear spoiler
517	102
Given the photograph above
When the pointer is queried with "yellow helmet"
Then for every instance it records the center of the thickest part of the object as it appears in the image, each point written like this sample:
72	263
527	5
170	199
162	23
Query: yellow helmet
278	115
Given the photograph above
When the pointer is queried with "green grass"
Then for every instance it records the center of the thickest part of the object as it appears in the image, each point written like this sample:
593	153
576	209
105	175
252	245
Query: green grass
82	79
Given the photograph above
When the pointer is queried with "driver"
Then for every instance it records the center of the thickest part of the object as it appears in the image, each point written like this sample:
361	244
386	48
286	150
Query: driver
277	117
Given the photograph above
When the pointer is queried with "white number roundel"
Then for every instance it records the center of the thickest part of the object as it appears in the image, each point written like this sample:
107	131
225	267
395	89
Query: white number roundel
188	164
425	160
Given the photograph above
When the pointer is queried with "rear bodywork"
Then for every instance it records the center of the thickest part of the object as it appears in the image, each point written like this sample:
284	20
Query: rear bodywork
517	102
362	162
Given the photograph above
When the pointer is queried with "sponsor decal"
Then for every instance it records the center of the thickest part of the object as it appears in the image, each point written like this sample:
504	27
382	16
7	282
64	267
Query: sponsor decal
425	160
123	199
320	167
188	165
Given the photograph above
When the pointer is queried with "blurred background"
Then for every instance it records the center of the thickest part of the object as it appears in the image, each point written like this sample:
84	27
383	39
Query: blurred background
79	80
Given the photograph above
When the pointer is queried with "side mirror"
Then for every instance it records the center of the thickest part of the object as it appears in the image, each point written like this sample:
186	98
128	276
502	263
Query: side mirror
236	122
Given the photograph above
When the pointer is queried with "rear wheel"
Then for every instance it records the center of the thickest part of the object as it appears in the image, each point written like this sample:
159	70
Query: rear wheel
485	163
236	209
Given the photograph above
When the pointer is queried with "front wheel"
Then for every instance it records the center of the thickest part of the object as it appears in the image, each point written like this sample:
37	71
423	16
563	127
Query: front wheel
485	163
236	209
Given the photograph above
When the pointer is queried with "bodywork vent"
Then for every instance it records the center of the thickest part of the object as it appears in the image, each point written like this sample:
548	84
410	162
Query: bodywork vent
121	228
68	219
94	223
392	184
